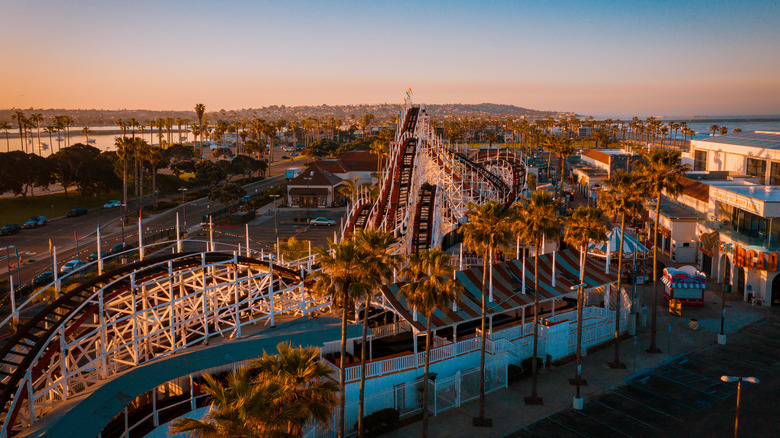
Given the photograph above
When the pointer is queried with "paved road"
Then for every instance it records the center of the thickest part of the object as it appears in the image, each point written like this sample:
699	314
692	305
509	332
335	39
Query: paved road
33	245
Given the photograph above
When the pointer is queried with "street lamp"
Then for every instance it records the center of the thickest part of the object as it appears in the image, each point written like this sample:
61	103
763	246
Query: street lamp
183	205
739	380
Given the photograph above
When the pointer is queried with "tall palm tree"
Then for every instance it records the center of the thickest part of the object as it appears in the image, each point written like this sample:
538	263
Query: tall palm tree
241	408
715	129
141	151
350	189
21	121
430	286
486	230
86	131
37	119
585	225
342	277
535	221
661	172
380	268
5	126
622	197
68	121
122	126
200	109
306	384
155	156
125	149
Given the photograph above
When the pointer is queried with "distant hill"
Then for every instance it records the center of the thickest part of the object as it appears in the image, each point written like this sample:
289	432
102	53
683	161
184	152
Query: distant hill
346	113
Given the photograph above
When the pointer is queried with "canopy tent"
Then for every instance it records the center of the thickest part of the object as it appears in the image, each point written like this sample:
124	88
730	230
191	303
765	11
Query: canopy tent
631	245
685	284
507	288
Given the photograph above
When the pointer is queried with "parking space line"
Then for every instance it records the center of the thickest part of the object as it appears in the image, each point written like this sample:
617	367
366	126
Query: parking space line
625	414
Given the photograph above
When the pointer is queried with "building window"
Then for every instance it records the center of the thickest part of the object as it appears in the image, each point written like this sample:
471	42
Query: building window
699	160
774	174
757	168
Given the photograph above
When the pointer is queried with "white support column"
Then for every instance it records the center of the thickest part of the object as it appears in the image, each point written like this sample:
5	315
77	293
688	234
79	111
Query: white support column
517	251
271	291
523	271
211	235
99	251
13	303
303	295
609	257
310	260
140	239
56	272
246	230
553	267
490	266
178	234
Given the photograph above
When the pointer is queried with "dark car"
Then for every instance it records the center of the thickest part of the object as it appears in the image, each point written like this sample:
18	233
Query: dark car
94	256
78	211
10	229
285	157
43	278
120	247
35	222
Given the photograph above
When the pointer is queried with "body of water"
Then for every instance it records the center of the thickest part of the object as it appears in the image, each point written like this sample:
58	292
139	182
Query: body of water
102	137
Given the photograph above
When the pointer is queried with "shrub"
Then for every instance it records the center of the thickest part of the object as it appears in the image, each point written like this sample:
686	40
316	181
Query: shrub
380	420
527	365
514	373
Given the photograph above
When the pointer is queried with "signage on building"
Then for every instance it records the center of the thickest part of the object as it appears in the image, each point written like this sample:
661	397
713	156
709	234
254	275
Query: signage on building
738	201
754	257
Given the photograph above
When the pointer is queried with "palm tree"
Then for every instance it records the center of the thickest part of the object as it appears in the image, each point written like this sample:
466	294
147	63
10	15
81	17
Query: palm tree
200	109
342	277
430	286
21	121
537	220
242	409
306	385
141	151
68	121
661	172
125	148
380	268
5	126
122	126
487	230
585	225
350	189
621	197
715	129
155	156
36	119
86	131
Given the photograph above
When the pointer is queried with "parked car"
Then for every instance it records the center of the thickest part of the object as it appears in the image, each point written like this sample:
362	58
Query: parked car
72	266
35	222
43	278
285	157
112	204
323	221
294	154
10	229
94	256
120	247
78	211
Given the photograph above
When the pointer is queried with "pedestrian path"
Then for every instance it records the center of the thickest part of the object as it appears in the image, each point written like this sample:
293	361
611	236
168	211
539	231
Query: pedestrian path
510	414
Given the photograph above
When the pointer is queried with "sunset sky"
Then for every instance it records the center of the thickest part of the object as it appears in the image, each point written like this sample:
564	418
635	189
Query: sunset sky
617	58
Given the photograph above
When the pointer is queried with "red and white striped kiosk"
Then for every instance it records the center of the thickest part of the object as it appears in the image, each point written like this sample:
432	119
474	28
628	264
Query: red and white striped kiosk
685	284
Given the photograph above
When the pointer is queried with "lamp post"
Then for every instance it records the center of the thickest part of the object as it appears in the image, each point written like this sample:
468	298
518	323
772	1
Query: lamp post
577	402
183	205
739	380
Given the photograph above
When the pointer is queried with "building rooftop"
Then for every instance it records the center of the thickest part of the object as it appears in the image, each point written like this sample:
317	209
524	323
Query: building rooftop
757	192
757	139
676	211
696	190
315	176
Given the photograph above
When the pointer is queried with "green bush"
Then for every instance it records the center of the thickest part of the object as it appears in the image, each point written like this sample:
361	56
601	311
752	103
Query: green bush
380	420
527	365
514	373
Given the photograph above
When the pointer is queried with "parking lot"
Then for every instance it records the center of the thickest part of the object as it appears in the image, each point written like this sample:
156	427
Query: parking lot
685	396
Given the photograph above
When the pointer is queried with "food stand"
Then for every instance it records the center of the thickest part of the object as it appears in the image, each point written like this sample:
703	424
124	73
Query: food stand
685	284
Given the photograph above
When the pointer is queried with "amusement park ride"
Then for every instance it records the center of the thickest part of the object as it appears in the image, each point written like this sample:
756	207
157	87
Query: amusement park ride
155	307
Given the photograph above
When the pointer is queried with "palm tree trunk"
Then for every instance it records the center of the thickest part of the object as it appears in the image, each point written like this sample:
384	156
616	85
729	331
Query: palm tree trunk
342	375
653	348
578	376
425	374
124	185
534	395
616	363
485	267
154	185
361	398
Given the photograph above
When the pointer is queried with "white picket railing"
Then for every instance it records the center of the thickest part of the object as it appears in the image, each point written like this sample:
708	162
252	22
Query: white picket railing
391	329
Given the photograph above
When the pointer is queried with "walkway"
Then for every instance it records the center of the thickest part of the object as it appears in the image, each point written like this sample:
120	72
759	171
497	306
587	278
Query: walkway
86	414
510	414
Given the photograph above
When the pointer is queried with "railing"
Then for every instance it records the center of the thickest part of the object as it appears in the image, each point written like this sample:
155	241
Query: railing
391	329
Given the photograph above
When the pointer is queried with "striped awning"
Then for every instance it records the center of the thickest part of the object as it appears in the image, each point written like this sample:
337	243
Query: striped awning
678	285
507	285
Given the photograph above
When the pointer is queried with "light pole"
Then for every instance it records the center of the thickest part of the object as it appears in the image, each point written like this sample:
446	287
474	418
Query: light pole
183	205
577	402
739	380
276	230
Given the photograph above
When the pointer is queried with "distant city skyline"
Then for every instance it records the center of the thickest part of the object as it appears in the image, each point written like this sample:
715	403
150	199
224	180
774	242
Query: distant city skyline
607	58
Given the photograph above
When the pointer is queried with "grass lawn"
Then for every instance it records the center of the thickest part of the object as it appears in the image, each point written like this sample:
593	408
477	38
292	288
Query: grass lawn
17	210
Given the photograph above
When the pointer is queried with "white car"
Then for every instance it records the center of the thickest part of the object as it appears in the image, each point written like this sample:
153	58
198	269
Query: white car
323	221
112	204
72	266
